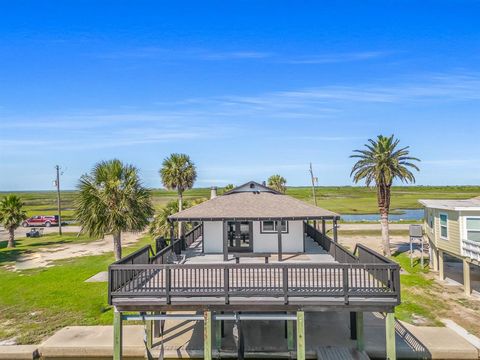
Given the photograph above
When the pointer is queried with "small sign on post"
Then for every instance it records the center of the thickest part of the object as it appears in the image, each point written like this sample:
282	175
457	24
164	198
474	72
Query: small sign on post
416	233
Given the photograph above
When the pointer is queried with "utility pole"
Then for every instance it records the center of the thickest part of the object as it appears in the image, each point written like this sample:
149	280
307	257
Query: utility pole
57	184
313	184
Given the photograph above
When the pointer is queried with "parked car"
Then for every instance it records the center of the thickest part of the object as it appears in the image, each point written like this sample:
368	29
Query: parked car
41	220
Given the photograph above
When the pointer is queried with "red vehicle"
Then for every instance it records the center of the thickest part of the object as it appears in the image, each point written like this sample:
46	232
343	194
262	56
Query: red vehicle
41	220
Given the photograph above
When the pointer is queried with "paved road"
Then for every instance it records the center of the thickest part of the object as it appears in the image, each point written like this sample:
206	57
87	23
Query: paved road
21	231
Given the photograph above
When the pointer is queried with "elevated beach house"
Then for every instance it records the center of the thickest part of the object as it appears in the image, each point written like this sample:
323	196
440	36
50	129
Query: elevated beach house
253	254
453	227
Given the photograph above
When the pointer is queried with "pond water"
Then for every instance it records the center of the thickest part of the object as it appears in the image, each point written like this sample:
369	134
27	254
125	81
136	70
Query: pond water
407	214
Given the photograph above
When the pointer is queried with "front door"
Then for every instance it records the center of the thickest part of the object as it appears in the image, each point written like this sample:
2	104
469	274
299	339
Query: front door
240	236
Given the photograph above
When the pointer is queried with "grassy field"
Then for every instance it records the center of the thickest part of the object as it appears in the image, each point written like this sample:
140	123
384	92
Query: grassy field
35	303
344	199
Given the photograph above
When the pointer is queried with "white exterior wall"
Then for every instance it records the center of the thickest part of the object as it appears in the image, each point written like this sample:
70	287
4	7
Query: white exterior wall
291	241
262	242
213	236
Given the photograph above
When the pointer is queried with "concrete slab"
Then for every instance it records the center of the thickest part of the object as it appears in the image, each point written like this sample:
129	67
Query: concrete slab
472	339
185	339
416	342
80	342
102	276
19	352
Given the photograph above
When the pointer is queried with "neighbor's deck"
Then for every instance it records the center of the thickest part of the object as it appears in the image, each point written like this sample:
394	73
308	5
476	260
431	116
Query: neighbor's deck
322	278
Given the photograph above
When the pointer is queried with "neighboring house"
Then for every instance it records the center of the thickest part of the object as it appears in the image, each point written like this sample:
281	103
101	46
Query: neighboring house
307	271
453	227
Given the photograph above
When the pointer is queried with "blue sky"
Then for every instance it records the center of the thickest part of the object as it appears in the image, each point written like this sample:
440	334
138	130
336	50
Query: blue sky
247	89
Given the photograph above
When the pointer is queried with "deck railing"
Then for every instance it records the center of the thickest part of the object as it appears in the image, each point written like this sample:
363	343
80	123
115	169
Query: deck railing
176	246
368	275
337	251
246	280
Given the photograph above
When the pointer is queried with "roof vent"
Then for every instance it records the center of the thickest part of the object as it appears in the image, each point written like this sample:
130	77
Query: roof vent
252	185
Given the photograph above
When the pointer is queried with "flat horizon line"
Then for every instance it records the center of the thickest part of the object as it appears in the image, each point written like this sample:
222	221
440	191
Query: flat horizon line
291	186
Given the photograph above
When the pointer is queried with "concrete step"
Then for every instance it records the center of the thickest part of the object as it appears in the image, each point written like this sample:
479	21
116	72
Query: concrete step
340	353
19	352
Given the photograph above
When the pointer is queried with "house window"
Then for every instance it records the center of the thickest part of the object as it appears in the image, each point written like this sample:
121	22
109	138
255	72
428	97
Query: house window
271	226
444	226
473	229
430	219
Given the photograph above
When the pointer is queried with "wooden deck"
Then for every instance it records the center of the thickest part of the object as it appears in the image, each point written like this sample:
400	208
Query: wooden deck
366	281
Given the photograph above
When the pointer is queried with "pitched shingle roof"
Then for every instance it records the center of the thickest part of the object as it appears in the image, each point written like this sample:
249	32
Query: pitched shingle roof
251	205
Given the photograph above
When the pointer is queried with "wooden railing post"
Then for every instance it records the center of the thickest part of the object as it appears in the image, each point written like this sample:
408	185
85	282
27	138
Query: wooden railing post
226	284
345	283
285	283
323	229
167	284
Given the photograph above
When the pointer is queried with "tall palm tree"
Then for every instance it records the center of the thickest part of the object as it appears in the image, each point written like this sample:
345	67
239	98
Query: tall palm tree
380	164
111	200
277	182
179	173
11	216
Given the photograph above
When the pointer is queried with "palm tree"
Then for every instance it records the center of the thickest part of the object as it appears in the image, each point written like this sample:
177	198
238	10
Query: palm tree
277	182
178	172
11	216
160	225
380	164
111	200
228	188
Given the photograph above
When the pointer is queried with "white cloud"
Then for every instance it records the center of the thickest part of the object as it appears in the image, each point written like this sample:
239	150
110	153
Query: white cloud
338	57
166	54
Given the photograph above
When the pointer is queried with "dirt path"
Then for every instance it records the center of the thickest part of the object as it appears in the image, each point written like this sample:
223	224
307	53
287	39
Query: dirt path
44	257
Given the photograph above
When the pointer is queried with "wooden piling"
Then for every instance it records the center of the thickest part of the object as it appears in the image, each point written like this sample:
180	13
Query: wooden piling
207	335
117	335
360	331
300	335
390	336
290	339
467	285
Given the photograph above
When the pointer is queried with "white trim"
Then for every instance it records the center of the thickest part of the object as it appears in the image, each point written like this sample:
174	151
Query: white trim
274	231
464	227
440	226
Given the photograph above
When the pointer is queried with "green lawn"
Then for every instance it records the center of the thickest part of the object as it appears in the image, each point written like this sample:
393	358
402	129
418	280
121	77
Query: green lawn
419	299
341	199
35	303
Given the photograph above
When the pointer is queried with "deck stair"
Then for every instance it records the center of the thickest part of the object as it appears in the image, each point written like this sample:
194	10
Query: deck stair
340	353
